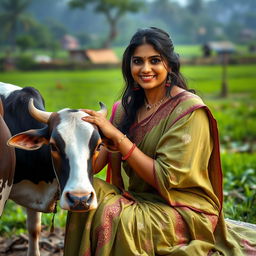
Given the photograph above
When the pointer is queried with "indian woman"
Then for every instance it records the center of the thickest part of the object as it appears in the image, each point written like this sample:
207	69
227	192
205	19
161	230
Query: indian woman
165	139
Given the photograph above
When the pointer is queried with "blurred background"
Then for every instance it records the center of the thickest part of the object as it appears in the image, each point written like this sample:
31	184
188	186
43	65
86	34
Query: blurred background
70	50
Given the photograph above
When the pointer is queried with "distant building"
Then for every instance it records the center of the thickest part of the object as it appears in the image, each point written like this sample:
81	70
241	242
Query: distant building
222	47
69	42
247	35
94	56
42	59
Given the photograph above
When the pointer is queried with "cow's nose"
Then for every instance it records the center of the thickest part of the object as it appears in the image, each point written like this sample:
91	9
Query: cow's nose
79	202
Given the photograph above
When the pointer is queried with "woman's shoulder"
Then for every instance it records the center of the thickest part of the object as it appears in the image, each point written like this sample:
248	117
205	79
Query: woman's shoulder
183	104
186	98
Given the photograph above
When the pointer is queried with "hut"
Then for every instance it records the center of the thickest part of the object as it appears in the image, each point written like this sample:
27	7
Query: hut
94	56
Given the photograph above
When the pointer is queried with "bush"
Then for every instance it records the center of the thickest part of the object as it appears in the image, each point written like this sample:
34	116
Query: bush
240	186
25	63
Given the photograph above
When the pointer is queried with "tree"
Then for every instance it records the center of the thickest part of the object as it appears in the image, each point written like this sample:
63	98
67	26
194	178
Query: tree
25	42
195	6
57	29
113	10
12	16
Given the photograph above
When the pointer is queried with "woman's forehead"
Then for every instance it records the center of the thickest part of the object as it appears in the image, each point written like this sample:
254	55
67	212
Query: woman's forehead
145	50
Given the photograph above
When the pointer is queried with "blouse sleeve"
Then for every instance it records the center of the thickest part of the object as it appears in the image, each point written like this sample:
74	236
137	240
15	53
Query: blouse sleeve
183	153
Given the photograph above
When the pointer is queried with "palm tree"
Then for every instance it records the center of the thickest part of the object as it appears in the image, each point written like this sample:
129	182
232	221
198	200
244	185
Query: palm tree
12	16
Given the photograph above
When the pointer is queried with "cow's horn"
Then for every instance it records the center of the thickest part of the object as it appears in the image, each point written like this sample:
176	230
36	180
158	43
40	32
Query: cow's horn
103	109
39	115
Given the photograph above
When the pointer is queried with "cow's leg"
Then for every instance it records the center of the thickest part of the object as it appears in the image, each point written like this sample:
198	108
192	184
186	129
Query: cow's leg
34	229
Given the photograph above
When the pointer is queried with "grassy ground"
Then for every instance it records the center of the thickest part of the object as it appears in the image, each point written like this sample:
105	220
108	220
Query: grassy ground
235	115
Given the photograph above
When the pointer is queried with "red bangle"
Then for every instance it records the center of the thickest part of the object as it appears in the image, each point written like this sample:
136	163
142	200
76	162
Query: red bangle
129	153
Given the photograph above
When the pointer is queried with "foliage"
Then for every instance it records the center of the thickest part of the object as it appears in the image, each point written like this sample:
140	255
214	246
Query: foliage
239	186
25	63
12	16
25	42
198	21
113	10
13	219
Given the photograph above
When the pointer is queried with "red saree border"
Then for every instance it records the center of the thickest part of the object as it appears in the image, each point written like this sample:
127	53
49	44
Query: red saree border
216	176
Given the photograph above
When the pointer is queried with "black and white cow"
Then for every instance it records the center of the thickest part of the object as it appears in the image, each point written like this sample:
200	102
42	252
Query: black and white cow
61	138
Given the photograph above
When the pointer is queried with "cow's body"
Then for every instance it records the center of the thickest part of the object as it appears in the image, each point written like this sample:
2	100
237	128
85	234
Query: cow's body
34	186
72	144
7	162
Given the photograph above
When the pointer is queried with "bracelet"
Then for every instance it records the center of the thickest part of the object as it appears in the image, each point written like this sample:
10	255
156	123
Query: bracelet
122	138
129	153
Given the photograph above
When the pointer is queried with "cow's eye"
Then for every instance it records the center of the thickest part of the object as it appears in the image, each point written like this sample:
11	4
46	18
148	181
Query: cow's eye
53	147
99	146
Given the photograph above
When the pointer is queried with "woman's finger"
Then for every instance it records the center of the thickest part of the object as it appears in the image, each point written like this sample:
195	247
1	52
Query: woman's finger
90	112
90	119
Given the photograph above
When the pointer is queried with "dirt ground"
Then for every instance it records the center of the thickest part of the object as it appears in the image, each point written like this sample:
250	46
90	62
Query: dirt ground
51	244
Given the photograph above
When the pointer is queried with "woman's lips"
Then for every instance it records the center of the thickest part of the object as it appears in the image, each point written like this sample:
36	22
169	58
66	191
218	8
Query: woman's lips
147	78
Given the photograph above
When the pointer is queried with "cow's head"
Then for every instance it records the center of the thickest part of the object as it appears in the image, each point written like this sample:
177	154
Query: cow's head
74	145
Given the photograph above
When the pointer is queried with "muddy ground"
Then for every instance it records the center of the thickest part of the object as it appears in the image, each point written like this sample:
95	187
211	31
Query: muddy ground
51	244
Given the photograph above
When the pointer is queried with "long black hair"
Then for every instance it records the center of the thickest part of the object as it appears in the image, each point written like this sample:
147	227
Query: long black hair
132	100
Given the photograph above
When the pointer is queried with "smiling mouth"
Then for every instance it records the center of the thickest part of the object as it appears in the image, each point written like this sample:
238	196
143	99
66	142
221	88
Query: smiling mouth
147	77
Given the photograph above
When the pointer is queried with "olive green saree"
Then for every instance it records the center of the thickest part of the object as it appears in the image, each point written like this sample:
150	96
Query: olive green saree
183	216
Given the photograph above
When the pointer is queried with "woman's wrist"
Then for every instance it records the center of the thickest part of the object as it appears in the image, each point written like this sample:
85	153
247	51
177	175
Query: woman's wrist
119	139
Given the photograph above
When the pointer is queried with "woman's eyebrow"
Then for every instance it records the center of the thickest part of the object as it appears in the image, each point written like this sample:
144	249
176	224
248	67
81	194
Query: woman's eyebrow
150	57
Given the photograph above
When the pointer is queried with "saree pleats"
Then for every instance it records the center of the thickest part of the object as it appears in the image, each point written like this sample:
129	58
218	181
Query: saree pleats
122	226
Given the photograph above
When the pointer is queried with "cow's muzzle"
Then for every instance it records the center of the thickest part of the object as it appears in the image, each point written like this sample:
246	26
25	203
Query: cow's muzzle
79	202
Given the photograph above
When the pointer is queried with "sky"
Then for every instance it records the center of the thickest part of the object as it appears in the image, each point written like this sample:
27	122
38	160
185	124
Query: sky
183	2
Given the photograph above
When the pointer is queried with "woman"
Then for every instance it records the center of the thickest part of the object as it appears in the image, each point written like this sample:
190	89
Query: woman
167	143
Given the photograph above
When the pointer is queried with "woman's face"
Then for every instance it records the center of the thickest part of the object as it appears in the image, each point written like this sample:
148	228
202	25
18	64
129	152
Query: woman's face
148	68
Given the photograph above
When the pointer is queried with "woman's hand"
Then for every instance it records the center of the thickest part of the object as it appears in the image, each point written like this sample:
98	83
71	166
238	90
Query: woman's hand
109	131
142	164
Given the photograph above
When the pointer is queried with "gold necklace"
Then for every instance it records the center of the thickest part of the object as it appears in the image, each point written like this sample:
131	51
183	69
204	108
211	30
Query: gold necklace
150	106
152	114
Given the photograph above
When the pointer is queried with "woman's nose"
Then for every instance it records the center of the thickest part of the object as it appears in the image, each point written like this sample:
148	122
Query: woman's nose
146	67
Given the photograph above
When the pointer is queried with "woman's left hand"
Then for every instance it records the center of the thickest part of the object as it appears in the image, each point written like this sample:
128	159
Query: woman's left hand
104	125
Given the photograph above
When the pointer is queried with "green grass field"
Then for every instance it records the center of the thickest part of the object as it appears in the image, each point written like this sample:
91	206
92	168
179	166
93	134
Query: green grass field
235	115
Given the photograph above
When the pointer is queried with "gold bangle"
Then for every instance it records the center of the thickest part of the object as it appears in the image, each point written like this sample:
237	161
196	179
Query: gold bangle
122	138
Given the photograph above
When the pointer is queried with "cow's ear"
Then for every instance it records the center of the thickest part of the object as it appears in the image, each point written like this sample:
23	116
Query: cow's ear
29	140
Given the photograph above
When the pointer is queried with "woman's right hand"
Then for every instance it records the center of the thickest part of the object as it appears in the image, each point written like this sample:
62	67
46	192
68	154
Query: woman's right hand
105	126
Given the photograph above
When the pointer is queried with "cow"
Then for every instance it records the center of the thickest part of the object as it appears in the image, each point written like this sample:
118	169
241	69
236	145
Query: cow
61	147
7	162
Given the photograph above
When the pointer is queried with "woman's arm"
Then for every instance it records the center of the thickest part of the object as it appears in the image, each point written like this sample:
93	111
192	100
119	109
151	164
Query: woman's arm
140	162
101	160
115	163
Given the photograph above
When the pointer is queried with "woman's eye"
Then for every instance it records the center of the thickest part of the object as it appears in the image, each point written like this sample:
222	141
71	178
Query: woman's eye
136	61
155	61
